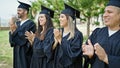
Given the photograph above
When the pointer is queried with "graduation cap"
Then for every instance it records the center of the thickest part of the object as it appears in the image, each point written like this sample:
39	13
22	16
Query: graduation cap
24	5
71	11
45	10
114	3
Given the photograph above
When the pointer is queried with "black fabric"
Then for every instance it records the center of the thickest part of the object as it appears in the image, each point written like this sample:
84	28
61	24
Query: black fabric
45	10
24	6
110	44
71	11
10	40
68	54
40	57
114	3
22	49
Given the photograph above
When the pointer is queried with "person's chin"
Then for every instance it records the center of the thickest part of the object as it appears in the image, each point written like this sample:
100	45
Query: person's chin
61	25
107	23
19	16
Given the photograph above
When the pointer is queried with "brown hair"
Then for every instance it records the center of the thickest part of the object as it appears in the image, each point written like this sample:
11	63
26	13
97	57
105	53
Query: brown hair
48	25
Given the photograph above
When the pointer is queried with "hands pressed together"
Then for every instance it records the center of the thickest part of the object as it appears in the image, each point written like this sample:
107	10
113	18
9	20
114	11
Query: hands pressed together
30	36
57	37
13	27
90	49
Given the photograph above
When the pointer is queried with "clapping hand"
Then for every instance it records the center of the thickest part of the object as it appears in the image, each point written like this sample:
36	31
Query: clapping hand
13	27
88	49
100	52
58	35
30	36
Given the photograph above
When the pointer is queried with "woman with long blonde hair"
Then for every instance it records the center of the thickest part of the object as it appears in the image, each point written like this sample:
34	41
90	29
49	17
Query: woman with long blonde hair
67	41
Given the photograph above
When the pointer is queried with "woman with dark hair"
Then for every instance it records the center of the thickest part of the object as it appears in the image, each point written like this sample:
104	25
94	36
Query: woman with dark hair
39	58
43	27
103	46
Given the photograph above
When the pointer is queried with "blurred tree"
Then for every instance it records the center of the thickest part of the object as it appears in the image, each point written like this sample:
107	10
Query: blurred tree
91	8
56	5
88	9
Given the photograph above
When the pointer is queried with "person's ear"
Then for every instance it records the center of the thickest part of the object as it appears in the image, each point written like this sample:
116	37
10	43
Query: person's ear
26	12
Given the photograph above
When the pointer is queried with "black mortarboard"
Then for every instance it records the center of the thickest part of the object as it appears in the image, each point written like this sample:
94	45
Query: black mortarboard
71	11
114	3
24	5
45	10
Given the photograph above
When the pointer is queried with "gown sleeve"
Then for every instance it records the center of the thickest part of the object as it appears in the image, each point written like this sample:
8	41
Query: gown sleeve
48	42
71	49
11	40
19	34
114	61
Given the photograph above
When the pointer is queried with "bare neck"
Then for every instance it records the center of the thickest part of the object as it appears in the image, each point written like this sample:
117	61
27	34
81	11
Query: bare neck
66	29
114	28
43	28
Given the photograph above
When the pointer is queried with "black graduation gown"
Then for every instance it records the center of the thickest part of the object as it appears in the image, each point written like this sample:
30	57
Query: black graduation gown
68	54
39	58
110	44
21	47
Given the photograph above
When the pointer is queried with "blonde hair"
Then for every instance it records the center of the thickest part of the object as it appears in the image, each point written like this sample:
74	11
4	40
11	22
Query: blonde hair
71	26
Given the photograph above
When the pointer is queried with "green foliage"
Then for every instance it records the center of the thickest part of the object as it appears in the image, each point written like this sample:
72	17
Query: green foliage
86	4
34	8
88	8
56	5
97	23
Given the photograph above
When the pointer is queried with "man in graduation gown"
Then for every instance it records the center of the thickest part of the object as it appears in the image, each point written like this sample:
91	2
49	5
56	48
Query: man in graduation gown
22	50
103	46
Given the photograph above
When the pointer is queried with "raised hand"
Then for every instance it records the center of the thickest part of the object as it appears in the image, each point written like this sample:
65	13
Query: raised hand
88	49
100	52
13	27
30	36
58	35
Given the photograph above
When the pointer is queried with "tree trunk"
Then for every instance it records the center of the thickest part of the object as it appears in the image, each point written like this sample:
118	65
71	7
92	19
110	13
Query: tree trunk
88	27
102	20
97	18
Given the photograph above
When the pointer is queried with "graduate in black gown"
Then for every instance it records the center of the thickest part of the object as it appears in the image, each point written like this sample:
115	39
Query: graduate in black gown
21	47
67	41
103	46
45	25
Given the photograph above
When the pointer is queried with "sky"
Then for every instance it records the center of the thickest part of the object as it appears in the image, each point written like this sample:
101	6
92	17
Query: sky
8	8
